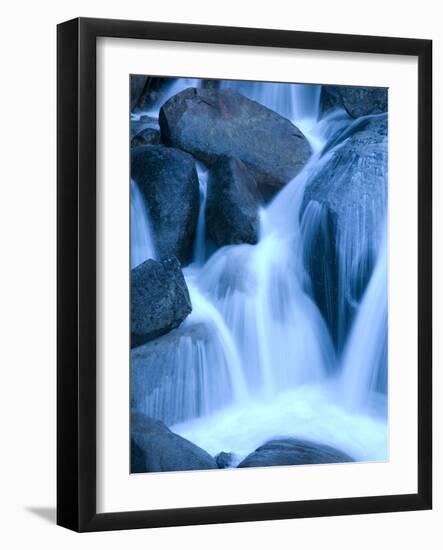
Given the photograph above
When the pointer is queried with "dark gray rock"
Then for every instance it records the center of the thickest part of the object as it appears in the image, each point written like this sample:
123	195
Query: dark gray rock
138	84
343	215
154	448
356	100
179	375
151	92
159	299
148	136
224	460
167	179
143	123
291	451
212	123
232	203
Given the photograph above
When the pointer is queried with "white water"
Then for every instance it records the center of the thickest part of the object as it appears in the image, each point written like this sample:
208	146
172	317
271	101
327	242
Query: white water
142	243
270	334
176	86
279	332
294	102
309	412
364	361
200	235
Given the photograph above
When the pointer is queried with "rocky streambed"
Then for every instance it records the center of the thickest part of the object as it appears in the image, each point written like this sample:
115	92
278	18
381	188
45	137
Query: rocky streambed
190	354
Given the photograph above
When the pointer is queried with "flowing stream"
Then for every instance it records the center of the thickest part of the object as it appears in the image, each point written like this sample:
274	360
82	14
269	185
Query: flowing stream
142	242
283	375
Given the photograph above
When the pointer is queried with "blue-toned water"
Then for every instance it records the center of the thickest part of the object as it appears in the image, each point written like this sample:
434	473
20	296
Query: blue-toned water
142	241
285	378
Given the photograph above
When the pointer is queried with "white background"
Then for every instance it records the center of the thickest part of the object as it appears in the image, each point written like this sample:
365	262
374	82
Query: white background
27	300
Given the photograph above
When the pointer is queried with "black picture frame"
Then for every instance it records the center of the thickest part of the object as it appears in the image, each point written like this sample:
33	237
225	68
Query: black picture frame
76	280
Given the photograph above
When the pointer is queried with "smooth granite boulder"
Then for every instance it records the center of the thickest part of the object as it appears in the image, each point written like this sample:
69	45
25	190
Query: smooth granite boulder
290	452
232	203
211	123
159	299
148	136
356	100
343	219
168	181
154	448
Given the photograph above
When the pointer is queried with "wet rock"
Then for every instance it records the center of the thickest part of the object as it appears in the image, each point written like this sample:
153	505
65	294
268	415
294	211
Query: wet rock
138	84
167	179
211	123
151	90
148	136
224	460
180	375
155	448
232	203
343	215
356	100
143	123
159	299
291	451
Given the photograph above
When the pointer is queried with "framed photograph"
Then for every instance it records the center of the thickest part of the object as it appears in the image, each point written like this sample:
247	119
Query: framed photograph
244	274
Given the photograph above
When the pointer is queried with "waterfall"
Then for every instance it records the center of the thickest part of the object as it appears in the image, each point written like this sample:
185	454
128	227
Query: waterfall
142	244
175	86
200	235
280	334
295	102
365	357
255	358
193	371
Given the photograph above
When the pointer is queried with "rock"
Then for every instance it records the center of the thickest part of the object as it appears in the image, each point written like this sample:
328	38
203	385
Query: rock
180	375
154	448
356	100
148	136
291	451
232	203
138	84
224	460
167	179
159	299
211	123
143	123
343	216
150	93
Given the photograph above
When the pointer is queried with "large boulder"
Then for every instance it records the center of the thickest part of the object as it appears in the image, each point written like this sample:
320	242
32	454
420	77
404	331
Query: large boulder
212	123
232	203
159	299
181	375
343	217
154	448
291	451
168	181
356	100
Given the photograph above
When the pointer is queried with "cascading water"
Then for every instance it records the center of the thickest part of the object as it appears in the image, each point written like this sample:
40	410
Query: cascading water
196	369
295	102
174	87
200	236
142	244
266	366
365	357
258	289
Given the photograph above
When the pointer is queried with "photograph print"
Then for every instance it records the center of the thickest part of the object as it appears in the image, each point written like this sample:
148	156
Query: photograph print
258	274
